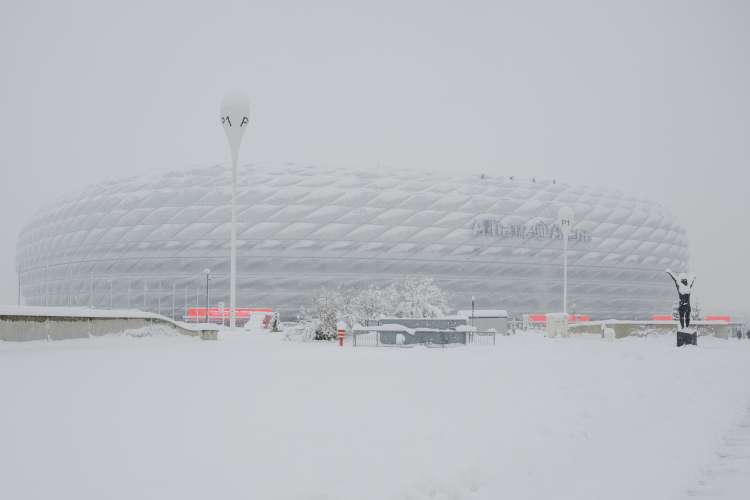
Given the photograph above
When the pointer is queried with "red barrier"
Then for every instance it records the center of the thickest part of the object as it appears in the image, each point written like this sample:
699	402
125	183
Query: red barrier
662	317
728	319
215	312
538	318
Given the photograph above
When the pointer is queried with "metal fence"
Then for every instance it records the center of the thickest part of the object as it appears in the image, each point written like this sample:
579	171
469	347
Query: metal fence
428	338
483	338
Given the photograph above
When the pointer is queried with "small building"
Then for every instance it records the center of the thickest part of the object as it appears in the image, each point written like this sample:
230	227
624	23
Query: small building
440	323
487	319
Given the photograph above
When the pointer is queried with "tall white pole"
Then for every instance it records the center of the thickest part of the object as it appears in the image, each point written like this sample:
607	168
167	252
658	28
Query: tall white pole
233	250
235	117
565	220
565	274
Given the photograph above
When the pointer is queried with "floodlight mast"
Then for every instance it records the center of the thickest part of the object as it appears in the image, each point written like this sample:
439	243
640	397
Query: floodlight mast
565	220
235	118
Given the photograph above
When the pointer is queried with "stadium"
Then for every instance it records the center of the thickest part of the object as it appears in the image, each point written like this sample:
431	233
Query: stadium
145	242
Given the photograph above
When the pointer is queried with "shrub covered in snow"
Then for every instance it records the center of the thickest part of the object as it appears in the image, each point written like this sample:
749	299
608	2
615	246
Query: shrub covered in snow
327	301
418	298
411	297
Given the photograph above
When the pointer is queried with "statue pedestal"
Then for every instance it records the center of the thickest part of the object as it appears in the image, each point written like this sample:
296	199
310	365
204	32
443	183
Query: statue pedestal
687	336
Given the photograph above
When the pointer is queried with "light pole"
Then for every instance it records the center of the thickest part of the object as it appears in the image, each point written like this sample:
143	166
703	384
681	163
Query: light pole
145	289
472	311
110	293
235	117
174	286
91	291
207	272
565	219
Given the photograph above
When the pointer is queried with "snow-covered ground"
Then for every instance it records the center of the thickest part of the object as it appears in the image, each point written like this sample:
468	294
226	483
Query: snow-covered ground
252	416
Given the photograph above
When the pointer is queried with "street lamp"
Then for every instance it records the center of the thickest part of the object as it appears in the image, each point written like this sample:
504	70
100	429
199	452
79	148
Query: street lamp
207	272
565	219
472	311
110	293
174	287
235	117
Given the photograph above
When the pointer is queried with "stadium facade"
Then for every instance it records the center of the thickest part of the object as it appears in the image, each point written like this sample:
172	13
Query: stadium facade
144	242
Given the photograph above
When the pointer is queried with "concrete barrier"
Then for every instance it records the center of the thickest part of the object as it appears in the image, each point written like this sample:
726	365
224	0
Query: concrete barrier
642	328
20	324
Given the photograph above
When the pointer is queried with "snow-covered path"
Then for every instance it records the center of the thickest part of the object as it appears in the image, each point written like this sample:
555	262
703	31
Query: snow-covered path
251	416
727	475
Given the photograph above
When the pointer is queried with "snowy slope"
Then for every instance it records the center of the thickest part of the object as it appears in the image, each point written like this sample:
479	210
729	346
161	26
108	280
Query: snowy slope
251	416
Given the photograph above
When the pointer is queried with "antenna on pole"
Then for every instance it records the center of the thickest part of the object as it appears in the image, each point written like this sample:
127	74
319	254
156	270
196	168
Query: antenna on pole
235	118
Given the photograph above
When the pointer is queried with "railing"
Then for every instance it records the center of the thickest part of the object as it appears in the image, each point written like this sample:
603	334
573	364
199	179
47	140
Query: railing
428	338
483	338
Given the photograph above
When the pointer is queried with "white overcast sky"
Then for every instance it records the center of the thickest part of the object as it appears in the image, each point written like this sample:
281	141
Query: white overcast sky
651	97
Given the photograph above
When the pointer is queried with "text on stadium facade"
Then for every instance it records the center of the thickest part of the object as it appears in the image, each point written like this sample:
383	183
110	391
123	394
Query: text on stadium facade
492	226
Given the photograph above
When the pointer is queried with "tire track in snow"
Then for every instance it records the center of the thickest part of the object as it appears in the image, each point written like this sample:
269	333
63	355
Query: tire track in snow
728	476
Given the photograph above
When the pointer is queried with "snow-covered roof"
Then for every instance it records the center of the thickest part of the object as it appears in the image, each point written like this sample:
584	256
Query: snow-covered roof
484	313
385	328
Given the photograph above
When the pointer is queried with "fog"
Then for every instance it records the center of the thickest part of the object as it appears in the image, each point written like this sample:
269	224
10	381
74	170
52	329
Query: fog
650	97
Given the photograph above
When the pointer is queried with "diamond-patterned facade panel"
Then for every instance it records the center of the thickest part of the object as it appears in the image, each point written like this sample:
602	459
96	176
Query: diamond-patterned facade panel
143	243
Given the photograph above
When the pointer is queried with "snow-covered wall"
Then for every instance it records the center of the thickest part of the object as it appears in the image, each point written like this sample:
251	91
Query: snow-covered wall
61	323
145	242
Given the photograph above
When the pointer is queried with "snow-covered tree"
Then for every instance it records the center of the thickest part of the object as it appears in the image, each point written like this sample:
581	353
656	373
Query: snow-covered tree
326	303
419	298
413	297
370	303
347	307
275	322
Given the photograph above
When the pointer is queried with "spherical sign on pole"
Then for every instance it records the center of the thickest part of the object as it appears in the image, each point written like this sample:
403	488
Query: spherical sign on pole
565	220
235	118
